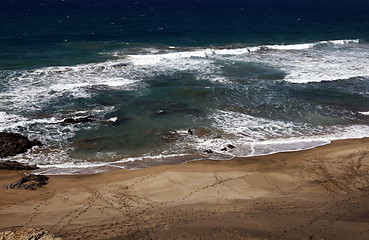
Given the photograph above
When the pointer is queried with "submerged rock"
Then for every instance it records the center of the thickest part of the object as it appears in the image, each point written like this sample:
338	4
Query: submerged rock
171	136
28	234
13	165
113	121
160	111
231	146
264	48
30	182
12	144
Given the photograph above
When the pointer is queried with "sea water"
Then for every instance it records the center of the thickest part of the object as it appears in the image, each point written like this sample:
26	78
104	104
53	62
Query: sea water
246	77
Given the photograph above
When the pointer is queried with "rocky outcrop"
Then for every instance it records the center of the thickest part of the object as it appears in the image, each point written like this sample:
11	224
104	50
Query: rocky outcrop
13	143
28	234
76	120
13	165
92	119
31	182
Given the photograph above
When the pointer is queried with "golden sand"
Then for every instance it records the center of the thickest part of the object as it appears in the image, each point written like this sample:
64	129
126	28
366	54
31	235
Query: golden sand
321	193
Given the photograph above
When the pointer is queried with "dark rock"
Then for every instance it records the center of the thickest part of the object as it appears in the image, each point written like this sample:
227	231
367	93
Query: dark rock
76	120
231	146
223	149
13	143
190	131
208	151
111	121
13	165
30	182
120	65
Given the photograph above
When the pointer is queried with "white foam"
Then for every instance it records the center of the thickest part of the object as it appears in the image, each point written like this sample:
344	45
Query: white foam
289	47
10	121
305	46
113	119
153	58
328	66
58	162
16	123
34	89
253	136
73	165
364	113
315	62
302	143
148	157
251	127
48	130
340	42
302	62
245	147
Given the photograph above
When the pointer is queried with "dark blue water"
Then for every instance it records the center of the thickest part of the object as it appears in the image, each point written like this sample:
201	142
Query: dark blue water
43	33
264	76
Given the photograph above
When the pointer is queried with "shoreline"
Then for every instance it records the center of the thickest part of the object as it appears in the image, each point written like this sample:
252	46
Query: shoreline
135	163
319	193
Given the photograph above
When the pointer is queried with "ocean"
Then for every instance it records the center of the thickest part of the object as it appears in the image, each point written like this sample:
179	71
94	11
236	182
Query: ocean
165	82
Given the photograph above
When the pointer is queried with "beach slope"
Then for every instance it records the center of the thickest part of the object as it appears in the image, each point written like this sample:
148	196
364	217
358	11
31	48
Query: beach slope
321	193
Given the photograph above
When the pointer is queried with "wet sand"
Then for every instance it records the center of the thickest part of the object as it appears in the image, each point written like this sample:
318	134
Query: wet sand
320	193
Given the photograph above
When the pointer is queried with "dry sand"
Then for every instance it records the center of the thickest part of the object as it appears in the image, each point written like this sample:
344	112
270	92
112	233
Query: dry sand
320	193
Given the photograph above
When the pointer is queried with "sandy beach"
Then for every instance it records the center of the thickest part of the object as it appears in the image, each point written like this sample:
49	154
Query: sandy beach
321	193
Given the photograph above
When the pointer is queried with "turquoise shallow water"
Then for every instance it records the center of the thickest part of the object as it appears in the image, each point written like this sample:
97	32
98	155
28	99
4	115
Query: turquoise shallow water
246	78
